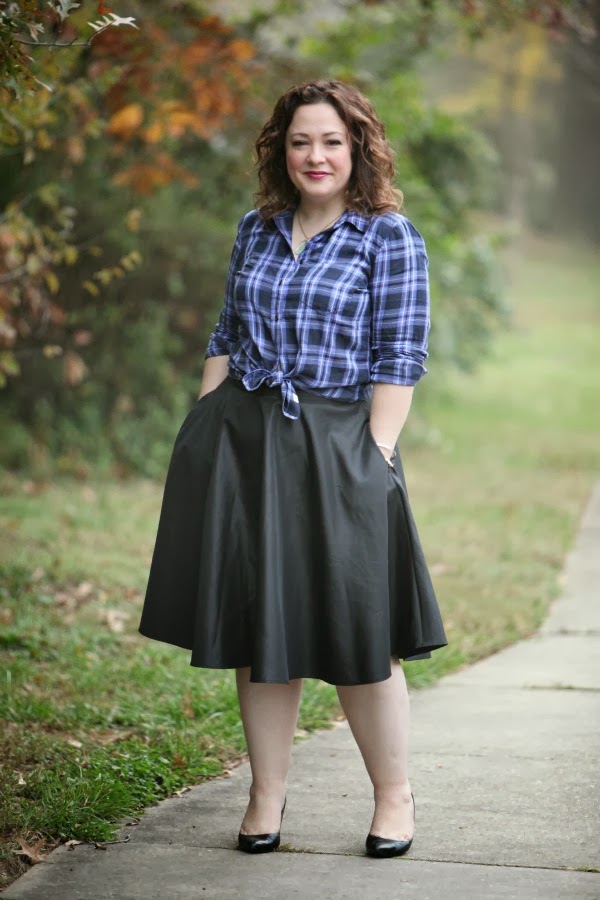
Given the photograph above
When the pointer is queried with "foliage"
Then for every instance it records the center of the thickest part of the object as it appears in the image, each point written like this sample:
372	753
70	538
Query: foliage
556	15
125	157
130	124
37	227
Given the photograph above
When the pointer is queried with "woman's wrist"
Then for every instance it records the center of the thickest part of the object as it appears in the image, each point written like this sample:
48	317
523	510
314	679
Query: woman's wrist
387	452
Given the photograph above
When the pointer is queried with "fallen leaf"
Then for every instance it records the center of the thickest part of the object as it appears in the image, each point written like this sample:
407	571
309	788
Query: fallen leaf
65	600
33	487
108	737
181	792
115	619
72	598
70	845
20	779
74	743
83	590
101	845
32	852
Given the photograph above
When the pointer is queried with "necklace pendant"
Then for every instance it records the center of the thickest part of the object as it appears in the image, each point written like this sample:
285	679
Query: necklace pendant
301	246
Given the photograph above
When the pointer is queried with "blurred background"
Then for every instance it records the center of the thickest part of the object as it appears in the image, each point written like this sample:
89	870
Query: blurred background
125	166
127	163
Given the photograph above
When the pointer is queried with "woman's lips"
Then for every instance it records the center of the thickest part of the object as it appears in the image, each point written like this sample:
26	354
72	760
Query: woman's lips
317	175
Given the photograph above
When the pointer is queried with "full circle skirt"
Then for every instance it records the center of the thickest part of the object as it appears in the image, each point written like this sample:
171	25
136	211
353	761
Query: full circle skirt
288	546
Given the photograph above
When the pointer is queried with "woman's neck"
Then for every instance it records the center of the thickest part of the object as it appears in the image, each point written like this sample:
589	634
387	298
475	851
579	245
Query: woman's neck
314	214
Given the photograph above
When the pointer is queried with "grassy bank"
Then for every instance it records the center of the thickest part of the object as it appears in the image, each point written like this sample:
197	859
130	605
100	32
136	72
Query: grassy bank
99	721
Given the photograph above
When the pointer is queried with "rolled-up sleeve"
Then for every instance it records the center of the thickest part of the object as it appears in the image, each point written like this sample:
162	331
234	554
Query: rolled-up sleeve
400	319
225	334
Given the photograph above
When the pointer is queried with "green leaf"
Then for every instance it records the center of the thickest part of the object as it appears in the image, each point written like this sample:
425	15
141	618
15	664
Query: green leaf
9	364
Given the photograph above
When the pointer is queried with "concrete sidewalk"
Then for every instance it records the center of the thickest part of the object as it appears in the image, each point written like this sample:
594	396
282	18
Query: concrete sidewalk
504	767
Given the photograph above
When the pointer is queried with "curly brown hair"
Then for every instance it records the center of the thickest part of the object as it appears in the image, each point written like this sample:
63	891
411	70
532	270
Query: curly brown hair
370	190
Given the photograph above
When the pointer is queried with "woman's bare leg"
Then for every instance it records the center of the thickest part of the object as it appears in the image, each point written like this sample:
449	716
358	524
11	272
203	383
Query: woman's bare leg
269	715
378	715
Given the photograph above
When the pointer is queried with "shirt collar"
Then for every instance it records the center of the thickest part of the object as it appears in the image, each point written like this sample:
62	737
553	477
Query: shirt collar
283	221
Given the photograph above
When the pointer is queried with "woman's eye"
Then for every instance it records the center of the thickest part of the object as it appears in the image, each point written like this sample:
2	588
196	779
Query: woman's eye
298	143
334	143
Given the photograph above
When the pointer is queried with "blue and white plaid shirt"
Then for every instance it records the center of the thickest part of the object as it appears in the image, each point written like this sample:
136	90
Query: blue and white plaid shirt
351	310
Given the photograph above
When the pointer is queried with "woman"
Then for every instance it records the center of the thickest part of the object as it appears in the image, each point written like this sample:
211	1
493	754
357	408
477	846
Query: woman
286	547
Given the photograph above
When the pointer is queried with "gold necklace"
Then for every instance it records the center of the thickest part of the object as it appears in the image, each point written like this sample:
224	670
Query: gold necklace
302	245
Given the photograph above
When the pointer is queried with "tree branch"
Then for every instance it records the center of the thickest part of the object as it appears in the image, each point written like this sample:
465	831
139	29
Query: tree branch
72	43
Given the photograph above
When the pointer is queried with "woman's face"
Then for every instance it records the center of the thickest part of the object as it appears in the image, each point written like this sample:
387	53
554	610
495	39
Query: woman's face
318	154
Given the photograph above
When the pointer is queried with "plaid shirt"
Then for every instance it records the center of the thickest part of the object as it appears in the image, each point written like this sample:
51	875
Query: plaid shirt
351	310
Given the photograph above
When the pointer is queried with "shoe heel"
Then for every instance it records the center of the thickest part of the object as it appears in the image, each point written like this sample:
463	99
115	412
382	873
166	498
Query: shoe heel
261	843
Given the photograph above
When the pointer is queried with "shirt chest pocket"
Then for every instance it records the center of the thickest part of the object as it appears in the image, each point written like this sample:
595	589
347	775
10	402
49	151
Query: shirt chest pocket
344	304
254	283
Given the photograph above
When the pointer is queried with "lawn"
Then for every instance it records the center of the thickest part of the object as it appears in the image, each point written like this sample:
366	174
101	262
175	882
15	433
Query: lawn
98	722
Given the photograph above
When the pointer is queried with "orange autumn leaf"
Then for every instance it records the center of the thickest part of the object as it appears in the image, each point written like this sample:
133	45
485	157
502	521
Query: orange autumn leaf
241	50
154	133
145	177
126	121
179	122
200	51
214	24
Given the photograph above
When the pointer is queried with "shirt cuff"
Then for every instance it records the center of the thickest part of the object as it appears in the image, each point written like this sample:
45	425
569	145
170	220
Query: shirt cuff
218	345
397	370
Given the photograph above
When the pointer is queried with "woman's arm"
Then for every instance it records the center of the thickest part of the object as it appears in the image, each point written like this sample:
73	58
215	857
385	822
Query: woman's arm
399	328
225	335
215	371
390	404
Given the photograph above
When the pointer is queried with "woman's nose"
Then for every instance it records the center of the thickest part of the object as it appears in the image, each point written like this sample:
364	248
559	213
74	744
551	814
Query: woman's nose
316	153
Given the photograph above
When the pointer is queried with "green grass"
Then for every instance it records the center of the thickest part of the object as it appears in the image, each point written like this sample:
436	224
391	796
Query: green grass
515	451
100	722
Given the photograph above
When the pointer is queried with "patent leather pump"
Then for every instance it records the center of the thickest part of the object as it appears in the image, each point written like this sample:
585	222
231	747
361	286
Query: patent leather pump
261	843
383	848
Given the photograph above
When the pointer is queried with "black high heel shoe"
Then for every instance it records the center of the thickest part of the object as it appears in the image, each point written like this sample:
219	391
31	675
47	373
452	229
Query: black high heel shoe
383	848
261	843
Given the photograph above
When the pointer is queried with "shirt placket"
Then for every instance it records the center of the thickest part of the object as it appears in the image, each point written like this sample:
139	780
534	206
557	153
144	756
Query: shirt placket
278	314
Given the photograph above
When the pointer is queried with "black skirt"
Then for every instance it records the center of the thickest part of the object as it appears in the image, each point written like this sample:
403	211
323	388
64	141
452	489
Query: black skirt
288	545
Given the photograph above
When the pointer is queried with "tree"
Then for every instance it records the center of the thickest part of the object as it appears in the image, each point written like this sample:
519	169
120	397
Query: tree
36	227
129	119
